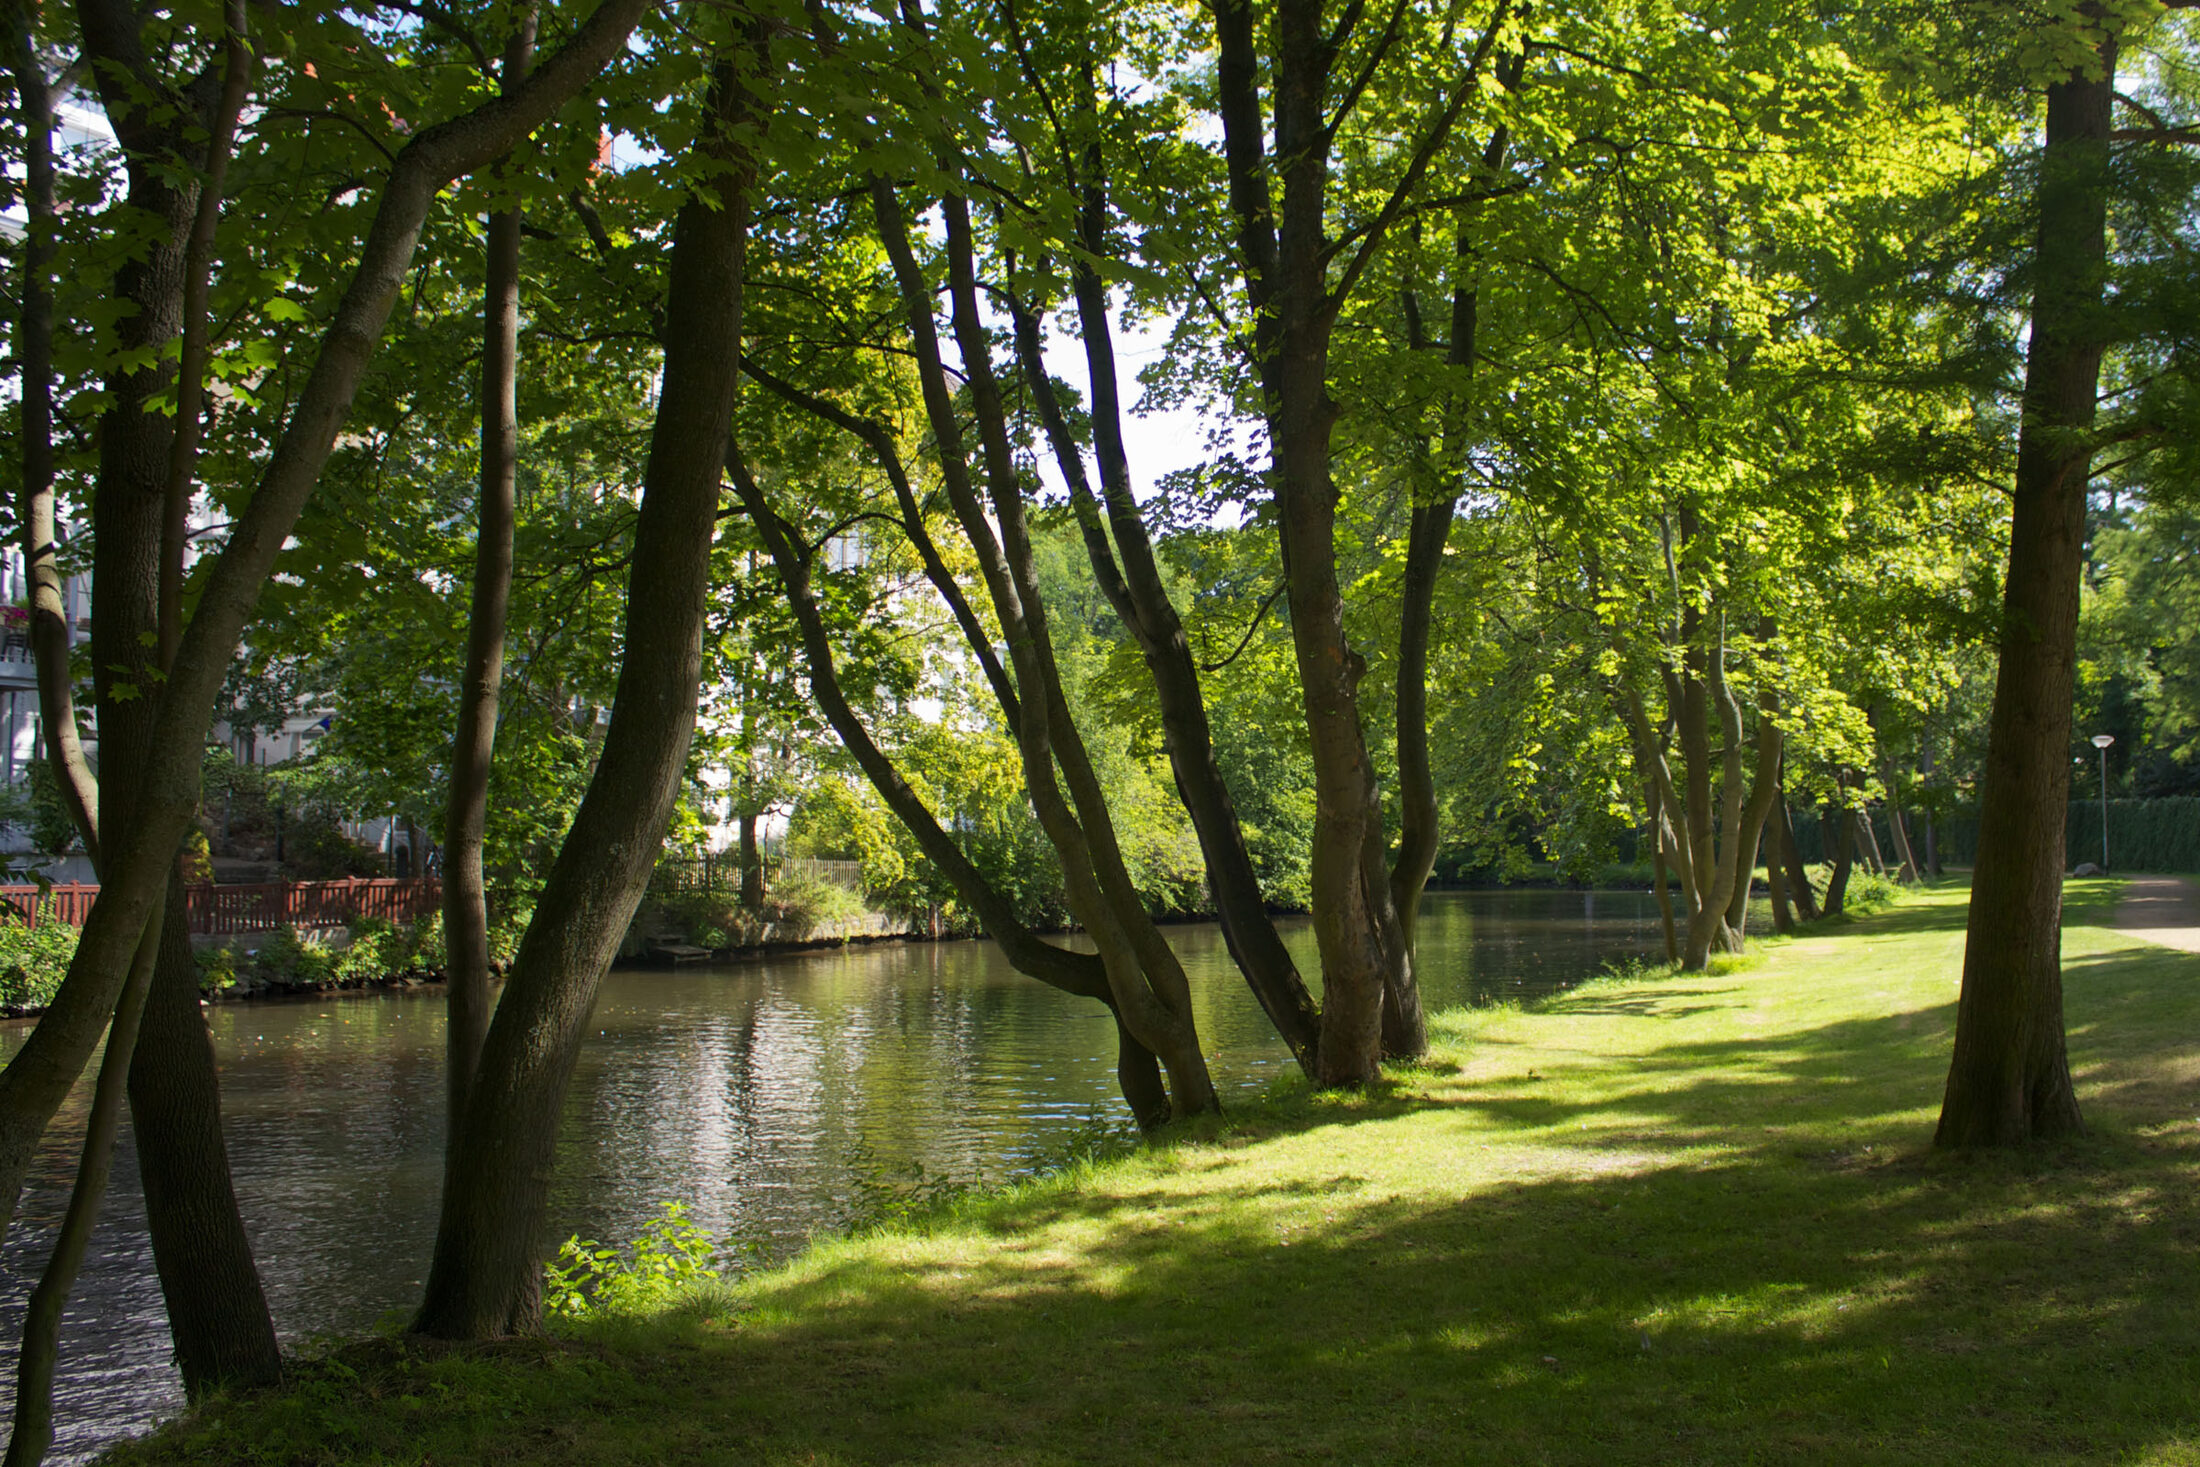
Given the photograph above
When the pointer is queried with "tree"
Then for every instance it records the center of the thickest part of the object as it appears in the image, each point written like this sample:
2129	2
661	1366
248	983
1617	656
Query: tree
485	1279
2009	1078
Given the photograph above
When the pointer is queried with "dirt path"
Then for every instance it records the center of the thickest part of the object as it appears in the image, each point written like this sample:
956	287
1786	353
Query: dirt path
2163	909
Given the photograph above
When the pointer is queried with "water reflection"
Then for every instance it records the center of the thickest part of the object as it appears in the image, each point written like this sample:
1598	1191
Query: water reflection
762	1094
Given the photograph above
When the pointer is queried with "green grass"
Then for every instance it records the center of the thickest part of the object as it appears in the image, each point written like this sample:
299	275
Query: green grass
1664	1218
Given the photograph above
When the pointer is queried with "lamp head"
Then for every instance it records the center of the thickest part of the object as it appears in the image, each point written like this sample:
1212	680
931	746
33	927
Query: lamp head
2102	741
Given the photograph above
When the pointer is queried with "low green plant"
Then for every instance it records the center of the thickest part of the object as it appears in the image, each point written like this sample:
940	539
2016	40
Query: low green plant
508	921
800	905
220	967
34	959
1869	891
295	958
378	949
670	1256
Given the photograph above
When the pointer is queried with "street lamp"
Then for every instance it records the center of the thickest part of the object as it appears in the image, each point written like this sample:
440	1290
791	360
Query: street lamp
2101	742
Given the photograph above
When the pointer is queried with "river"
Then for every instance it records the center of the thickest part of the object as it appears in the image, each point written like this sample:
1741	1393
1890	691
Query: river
772	1097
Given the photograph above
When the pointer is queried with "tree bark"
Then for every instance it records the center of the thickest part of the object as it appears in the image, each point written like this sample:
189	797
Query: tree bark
1658	885
1897	822
40	1350
1838	825
485	1279
1141	600
1798	878
135	864
468	995
1082	974
1783	916
50	635
1151	994
2009	1078
217	1311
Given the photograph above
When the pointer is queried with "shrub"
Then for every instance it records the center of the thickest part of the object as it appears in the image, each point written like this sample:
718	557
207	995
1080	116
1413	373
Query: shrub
378	949
801	905
34	960
291	958
198	858
429	951
672	1255
220	967
1868	891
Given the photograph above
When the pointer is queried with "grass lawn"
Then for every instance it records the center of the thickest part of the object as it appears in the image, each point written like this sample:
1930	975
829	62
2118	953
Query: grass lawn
1677	1218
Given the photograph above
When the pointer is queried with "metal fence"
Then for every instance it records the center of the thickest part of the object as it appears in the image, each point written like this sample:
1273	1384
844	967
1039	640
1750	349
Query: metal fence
252	907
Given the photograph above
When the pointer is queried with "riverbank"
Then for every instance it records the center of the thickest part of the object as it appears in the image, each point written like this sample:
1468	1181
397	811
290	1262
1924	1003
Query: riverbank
1661	1218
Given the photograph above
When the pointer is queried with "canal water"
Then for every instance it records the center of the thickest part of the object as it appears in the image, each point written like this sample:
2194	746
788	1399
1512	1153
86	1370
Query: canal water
774	1098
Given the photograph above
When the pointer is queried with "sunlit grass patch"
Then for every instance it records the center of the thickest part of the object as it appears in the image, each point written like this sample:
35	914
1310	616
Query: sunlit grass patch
1667	1217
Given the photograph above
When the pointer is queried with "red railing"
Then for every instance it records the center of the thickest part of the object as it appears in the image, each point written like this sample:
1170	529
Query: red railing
257	906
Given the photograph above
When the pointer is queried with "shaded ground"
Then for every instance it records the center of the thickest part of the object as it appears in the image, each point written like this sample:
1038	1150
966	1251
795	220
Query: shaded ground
1659	1220
2161	909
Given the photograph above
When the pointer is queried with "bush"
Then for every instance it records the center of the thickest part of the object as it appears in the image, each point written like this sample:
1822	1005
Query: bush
34	960
801	905
672	1255
292	958
315	849
220	967
794	909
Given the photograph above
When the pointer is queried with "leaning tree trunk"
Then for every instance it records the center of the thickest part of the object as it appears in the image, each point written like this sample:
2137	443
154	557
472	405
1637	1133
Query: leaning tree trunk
217	1310
1791	856
1837	827
1134	588
467	994
49	621
485	1279
1898	825
2009	1079
1082	974
1151	994
135	864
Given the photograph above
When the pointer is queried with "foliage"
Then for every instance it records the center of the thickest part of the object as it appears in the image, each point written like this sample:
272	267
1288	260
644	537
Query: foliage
371	950
33	958
794	910
35	807
670	1256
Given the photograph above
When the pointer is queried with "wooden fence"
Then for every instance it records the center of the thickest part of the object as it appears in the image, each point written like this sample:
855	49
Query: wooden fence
253	907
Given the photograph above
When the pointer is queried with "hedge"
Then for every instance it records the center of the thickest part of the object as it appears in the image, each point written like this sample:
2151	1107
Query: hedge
2143	835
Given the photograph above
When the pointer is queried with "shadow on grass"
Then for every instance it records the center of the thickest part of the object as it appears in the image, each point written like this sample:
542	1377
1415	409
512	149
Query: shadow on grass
1712	1252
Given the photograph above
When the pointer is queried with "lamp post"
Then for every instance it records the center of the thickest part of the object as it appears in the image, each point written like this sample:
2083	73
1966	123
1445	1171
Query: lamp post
2101	742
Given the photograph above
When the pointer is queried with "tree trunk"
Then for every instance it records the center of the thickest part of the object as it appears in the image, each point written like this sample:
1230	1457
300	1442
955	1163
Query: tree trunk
1783	918
1839	828
1658	884
1874	862
50	635
1285	262
1077	973
752	865
135	865
468	996
2009	1079
217	1311
1897	824
1151	994
1136	591
485	1279
1798	877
